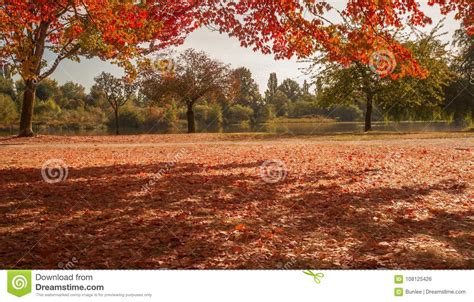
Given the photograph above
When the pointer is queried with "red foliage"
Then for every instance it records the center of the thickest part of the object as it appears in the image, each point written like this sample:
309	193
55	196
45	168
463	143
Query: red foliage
118	30
294	27
122	30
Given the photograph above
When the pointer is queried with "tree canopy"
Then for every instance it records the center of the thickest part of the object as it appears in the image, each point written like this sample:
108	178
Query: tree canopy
126	31
194	77
398	99
116	91
111	30
301	28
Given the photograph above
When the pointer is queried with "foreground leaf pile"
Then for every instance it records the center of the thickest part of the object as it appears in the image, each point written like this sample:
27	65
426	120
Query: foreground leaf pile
163	202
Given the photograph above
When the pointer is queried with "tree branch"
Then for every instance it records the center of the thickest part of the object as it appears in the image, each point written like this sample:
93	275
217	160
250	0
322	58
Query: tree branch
60	57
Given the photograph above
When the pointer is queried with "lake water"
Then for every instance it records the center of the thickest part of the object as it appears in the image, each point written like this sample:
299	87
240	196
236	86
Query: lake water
277	128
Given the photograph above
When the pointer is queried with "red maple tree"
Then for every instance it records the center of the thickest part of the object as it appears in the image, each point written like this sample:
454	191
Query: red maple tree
294	27
110	30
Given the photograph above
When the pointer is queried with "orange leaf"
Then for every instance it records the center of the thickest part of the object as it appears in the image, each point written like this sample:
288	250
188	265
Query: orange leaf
240	227
278	230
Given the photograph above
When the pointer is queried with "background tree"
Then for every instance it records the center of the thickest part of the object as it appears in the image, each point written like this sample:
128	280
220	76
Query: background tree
245	92
110	30
73	95
6	82
244	89
8	112
280	102
46	89
305	88
5	71
238	114
8	109
116	91
291	88
272	86
96	97
358	83
411	98
195	77
460	94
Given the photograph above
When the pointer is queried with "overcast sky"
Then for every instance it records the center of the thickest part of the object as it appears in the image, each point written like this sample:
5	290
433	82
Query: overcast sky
220	47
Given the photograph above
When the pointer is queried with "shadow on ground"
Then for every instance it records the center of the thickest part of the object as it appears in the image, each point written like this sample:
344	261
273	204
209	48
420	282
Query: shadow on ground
125	216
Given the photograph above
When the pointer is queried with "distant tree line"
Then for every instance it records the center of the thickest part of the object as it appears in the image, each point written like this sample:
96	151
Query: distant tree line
195	90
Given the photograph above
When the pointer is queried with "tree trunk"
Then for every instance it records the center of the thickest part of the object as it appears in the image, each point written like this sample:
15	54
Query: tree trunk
26	119
117	132
191	122
368	115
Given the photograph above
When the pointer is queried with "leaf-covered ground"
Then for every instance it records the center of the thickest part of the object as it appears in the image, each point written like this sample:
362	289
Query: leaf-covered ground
179	201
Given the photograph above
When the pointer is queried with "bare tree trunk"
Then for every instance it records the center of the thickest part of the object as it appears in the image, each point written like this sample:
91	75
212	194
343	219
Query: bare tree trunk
117	132
26	119
191	122
368	114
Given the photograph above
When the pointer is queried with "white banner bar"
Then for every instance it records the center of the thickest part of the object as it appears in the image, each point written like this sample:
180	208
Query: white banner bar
231	285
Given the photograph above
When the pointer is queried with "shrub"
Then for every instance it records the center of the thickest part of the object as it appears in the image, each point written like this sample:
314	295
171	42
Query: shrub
208	114
280	102
238	114
80	118
8	112
201	113
170	115
264	113
160	116
347	113
48	108
129	117
304	108
215	115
